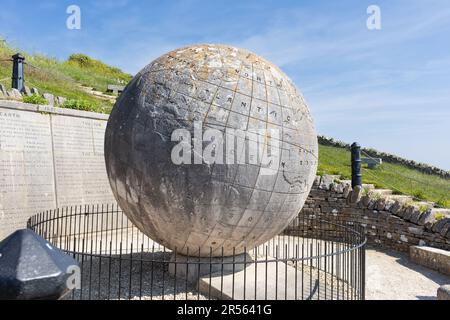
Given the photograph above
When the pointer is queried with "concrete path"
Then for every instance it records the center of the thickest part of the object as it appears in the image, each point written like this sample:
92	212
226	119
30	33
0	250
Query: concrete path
393	276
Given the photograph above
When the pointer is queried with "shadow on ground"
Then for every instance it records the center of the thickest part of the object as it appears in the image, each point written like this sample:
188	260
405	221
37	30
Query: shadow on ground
392	275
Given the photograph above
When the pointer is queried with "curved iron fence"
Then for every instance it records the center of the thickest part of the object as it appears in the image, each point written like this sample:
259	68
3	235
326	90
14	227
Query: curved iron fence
313	259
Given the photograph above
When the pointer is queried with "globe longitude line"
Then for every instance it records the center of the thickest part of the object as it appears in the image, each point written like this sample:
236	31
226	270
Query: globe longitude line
225	127
166	100
212	101
282	139
172	93
134	169
210	178
276	179
259	167
237	170
217	223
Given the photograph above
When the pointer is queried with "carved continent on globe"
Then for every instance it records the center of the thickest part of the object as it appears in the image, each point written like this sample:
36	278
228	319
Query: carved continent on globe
209	207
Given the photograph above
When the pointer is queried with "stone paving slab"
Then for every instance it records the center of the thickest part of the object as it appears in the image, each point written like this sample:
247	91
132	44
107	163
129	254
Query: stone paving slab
393	276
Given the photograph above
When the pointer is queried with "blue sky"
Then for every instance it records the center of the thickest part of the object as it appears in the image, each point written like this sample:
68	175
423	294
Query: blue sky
388	89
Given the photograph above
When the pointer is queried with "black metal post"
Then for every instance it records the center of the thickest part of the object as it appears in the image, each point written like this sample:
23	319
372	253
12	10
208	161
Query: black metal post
17	74
356	165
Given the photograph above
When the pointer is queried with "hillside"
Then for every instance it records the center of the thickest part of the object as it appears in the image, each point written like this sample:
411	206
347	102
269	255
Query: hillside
399	178
72	77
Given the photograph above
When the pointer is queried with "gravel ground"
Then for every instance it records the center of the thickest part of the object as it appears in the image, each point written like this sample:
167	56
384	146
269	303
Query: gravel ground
114	278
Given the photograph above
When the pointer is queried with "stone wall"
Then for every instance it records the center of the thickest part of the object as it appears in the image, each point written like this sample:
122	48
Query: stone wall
388	223
49	157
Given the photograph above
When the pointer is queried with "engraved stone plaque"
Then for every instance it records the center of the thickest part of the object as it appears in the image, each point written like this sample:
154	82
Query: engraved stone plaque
26	167
49	158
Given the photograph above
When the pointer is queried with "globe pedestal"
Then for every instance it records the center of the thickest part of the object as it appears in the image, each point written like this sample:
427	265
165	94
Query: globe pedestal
241	277
195	268
274	280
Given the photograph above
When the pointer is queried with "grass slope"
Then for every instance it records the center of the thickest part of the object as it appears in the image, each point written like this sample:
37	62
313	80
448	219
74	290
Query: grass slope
403	180
64	78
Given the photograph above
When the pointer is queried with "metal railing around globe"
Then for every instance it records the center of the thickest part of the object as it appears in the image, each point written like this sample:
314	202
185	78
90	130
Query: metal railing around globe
311	260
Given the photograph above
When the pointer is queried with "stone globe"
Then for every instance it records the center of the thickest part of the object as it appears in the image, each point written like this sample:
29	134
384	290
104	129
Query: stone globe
211	150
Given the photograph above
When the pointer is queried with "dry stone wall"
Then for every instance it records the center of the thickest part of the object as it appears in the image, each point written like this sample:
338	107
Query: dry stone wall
388	223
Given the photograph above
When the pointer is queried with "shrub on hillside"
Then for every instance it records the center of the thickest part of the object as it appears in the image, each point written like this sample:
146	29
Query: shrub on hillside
443	203
79	104
85	62
35	99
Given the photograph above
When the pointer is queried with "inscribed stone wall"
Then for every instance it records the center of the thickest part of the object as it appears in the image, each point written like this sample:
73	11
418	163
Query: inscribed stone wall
49	158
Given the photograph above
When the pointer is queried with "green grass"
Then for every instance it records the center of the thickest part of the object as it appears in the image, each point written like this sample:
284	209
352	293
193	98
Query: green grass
35	99
64	78
402	180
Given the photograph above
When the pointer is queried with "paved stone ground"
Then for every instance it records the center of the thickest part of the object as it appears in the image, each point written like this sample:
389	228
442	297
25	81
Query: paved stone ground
393	276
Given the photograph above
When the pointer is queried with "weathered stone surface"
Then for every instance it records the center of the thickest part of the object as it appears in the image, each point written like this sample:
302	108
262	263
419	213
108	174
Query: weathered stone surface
268	284
438	226
27	91
316	181
380	204
203	205
417	231
15	94
347	190
333	187
50	98
25	159
60	100
31	153
3	91
396	207
79	161
355	195
326	181
372	203
426	217
443	292
415	216
34	91
445	229
388	204
436	259
408	212
192	268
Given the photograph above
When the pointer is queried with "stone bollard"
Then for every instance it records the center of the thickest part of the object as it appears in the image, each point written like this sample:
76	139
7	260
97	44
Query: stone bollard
33	269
